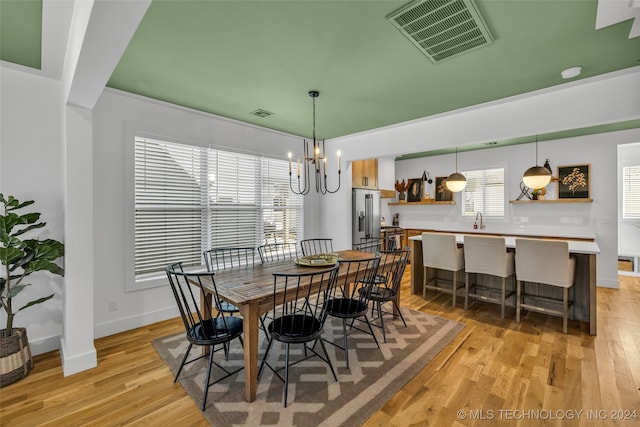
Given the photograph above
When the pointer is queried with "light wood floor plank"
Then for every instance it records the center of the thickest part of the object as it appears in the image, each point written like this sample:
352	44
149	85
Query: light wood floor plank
494	365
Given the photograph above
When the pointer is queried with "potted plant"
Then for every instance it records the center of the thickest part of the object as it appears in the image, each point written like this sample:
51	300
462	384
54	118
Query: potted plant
20	257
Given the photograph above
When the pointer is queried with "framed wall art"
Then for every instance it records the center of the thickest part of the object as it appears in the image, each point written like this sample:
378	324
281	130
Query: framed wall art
414	193
574	181
442	192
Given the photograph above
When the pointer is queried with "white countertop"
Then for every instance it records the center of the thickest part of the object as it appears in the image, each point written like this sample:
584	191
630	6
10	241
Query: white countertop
575	246
504	231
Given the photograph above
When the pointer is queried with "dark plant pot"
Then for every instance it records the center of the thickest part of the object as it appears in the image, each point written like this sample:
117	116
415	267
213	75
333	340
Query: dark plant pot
401	197
15	357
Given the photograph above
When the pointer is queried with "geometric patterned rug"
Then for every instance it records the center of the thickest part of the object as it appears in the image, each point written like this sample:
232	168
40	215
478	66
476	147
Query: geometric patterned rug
315	398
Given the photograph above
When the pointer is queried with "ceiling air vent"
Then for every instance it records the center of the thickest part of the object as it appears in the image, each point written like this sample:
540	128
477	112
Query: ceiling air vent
262	113
442	29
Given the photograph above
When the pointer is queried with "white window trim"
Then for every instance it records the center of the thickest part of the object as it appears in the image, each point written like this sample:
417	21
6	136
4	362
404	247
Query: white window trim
492	219
630	219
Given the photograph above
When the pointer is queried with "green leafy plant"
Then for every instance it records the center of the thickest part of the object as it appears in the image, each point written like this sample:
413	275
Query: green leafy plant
22	257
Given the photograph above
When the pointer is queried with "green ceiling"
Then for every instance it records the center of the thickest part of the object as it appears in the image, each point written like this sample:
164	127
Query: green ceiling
234	57
21	32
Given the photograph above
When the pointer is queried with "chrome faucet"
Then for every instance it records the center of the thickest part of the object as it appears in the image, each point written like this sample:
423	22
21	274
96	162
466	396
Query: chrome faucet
475	224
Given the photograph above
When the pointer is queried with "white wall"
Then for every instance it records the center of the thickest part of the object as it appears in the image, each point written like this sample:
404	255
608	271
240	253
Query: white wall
597	219
628	229
605	99
608	98
31	168
117	118
386	179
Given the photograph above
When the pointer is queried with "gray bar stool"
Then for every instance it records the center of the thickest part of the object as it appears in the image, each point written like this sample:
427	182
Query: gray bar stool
440	251
487	255
545	262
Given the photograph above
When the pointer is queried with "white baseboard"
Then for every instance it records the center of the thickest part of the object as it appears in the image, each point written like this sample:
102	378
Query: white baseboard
52	343
608	283
45	345
88	360
132	322
72	364
628	273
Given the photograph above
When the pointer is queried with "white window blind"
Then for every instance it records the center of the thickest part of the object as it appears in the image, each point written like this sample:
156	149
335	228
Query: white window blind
189	199
631	192
281	210
484	193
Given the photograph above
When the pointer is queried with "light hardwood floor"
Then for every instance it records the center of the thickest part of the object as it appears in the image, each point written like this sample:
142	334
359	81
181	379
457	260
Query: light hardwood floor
496	372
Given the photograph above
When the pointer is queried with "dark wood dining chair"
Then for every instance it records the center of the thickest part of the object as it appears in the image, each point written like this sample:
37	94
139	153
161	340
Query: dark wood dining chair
299	312
385	286
316	246
229	257
204	326
271	252
369	244
348	303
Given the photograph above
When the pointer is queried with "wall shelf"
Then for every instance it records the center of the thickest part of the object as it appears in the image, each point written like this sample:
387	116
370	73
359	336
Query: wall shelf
387	194
425	202
553	201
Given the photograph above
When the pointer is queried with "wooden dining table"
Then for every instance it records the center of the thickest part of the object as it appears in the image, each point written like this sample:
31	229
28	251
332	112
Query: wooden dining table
251	290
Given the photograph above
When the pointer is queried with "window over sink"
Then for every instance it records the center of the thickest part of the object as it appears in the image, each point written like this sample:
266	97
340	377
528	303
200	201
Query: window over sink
484	193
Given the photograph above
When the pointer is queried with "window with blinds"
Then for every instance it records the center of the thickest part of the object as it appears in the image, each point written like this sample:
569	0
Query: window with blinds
631	192
484	193
189	199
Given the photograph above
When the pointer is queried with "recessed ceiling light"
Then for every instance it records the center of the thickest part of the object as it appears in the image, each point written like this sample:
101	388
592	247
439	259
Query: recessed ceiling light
572	72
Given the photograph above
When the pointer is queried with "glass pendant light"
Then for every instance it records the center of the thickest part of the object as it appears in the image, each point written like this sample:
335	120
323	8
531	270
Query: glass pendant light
456	181
536	176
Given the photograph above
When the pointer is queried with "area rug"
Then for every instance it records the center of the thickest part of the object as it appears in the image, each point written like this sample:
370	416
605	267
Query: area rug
315	398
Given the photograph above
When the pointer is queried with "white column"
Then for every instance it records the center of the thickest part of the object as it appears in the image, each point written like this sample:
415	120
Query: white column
77	350
100	32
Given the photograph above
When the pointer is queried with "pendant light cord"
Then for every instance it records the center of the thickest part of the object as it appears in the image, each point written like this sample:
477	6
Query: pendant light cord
314	121
456	159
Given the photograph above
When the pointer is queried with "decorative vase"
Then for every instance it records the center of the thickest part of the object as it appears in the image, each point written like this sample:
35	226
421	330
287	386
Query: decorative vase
402	198
539	193
15	357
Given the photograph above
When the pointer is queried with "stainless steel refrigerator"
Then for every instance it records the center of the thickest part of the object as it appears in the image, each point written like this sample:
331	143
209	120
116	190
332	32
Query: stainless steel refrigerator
365	206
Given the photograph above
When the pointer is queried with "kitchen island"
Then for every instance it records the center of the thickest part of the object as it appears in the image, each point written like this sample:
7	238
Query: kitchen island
584	249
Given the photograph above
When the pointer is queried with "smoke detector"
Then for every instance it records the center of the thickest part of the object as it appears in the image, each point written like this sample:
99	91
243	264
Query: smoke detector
570	73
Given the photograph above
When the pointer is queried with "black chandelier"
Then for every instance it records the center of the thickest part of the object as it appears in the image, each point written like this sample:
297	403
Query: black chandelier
314	157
